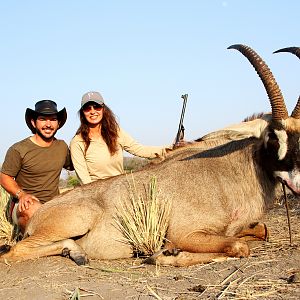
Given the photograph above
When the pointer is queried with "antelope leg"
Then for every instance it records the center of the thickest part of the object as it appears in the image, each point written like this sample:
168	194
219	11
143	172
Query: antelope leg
198	247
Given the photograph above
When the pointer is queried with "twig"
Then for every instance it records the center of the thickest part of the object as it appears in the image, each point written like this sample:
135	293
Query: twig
232	274
76	295
137	267
153	293
6	262
224	290
110	270
90	293
287	213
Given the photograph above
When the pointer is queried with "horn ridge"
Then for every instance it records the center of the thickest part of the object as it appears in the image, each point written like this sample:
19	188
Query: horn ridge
279	111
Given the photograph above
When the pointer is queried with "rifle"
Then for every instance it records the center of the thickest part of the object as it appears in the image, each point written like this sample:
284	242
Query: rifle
180	132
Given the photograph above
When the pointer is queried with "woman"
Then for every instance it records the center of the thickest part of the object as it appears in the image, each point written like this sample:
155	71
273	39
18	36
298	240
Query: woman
97	148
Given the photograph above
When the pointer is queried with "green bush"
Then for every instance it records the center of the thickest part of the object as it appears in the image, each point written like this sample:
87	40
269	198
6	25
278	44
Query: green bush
72	181
134	163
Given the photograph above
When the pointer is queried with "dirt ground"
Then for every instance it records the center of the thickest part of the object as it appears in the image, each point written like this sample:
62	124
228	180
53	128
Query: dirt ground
271	272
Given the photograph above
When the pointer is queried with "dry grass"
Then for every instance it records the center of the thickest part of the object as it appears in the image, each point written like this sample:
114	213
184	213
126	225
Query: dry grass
6	229
143	219
271	272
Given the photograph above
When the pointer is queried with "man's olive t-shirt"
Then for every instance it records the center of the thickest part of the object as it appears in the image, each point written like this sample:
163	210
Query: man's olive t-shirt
37	169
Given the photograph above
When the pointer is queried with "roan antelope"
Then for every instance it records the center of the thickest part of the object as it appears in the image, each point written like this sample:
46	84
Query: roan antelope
217	194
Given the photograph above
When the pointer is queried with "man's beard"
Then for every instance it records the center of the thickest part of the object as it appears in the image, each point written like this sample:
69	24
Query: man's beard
44	138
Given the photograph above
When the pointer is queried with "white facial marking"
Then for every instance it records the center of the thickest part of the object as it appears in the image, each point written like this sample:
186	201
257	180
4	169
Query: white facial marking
282	139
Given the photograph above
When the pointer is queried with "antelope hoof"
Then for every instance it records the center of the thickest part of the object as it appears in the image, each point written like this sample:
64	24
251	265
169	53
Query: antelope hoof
65	252
171	252
79	258
152	260
4	249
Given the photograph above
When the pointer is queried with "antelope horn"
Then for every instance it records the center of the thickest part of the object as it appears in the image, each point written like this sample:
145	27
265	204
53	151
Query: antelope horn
279	111
296	112
294	50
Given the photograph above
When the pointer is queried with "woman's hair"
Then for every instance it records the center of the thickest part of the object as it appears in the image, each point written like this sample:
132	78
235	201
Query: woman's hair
109	130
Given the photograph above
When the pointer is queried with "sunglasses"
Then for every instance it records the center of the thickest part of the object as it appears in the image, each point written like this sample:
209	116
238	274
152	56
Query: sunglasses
88	108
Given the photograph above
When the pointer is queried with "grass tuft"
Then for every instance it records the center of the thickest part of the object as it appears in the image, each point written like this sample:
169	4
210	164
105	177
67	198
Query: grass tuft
143	220
6	229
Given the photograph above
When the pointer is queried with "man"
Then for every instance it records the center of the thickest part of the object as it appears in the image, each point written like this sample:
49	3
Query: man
32	167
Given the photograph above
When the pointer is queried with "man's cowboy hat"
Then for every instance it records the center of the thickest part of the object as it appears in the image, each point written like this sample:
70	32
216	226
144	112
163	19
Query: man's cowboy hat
44	108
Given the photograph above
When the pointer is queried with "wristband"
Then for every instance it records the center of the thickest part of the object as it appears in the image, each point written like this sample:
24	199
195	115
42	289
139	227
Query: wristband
18	193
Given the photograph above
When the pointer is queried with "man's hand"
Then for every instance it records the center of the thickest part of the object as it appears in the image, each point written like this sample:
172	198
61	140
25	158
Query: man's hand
25	200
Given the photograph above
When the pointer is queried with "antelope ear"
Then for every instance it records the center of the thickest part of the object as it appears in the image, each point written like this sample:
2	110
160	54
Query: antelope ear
255	128
291	124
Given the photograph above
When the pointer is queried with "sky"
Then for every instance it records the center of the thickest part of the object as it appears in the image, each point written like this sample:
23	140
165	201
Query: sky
142	56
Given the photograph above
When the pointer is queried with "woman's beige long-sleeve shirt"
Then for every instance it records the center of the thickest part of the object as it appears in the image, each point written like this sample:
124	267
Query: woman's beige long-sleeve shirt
98	162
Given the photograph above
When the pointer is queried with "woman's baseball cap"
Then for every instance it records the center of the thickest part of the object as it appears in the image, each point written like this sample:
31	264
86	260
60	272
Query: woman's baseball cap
92	97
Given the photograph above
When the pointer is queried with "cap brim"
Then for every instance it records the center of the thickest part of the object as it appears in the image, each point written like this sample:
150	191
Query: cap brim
100	102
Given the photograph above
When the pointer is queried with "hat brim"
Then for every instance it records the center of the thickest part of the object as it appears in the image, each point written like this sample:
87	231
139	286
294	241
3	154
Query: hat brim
32	114
98	101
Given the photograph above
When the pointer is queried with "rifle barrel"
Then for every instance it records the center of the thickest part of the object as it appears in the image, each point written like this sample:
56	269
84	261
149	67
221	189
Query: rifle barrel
180	128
